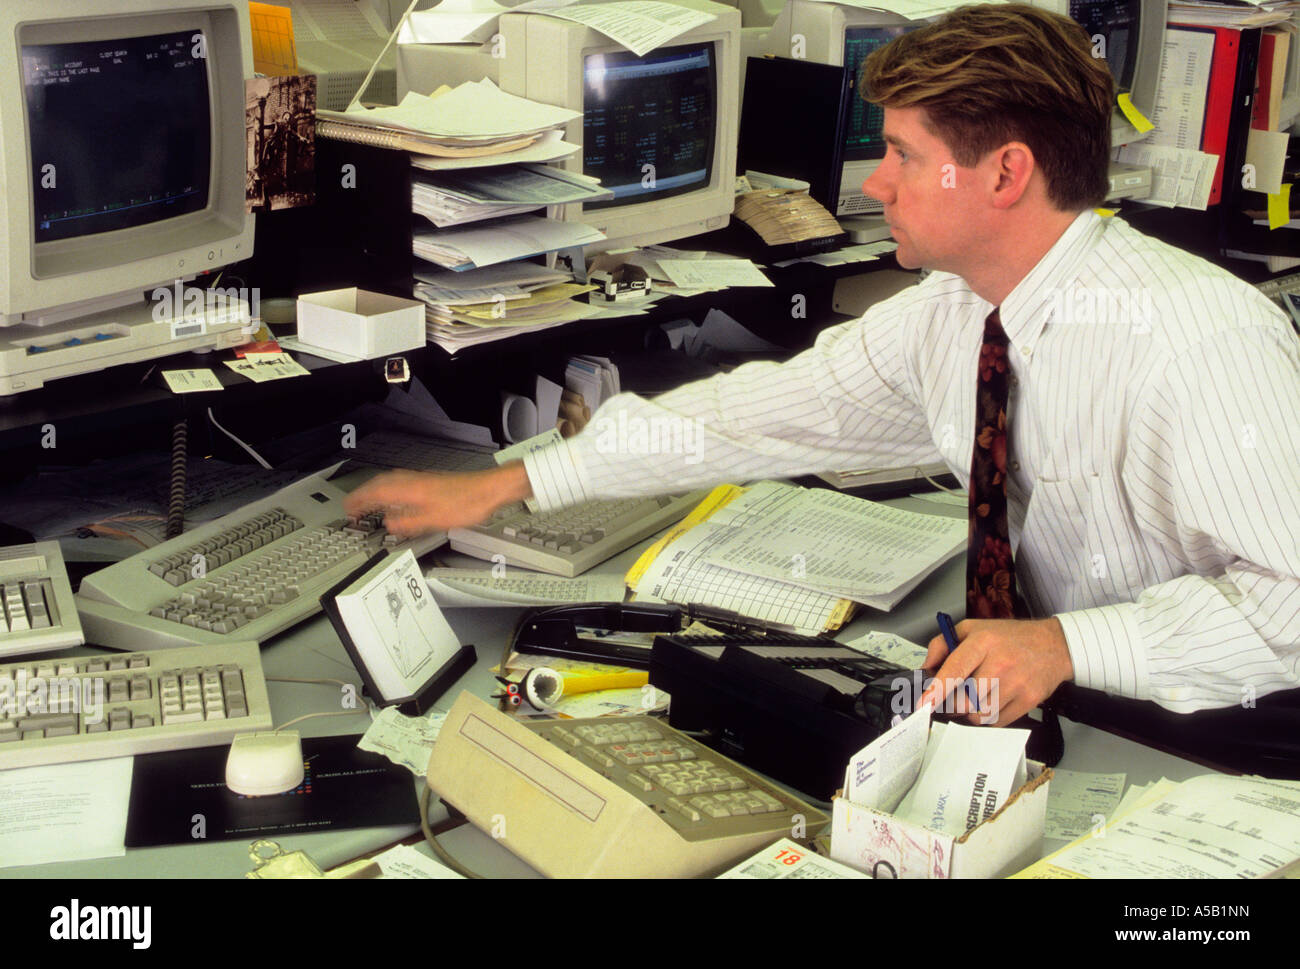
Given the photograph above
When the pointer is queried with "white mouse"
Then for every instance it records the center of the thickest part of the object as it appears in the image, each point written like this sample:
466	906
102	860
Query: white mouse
264	763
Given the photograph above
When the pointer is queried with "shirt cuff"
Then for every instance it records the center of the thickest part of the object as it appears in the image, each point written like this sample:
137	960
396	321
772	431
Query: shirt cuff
556	477
1105	648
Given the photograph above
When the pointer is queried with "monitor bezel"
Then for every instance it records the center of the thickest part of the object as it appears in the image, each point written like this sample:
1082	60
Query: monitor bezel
57	257
52	280
636	223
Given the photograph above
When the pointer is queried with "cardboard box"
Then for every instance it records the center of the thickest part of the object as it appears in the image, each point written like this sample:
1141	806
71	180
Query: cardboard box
880	843
360	323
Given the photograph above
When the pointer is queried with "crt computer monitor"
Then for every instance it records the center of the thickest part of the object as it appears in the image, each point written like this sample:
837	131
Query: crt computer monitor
1133	32
828	33
1133	35
658	130
122	169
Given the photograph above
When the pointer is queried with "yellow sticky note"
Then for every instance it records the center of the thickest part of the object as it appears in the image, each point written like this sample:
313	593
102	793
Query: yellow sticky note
1105	213
1135	117
274	54
1279	207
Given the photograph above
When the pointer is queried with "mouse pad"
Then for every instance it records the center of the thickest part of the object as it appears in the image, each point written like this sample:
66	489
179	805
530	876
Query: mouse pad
180	796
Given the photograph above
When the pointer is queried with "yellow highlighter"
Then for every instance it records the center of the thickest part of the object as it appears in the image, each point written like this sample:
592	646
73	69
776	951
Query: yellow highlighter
605	681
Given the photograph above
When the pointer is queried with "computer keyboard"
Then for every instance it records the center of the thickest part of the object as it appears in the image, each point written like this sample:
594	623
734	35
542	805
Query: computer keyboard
401	449
245	576
572	540
616	796
38	613
1275	287
92	707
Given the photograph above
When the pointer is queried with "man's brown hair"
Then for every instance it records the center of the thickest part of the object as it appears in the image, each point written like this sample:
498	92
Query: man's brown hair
989	74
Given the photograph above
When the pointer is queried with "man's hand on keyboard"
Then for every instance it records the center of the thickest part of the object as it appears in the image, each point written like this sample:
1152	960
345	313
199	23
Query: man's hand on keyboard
416	502
1027	659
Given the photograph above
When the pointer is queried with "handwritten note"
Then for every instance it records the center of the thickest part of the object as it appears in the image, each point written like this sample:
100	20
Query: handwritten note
261	367
191	381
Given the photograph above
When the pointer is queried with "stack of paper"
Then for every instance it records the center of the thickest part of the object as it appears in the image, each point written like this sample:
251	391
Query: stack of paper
794	557
481	305
1206	13
474	119
678	272
513	238
1212	826
454	198
593	379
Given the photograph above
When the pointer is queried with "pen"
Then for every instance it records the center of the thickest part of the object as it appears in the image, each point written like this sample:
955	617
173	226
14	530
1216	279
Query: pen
950	637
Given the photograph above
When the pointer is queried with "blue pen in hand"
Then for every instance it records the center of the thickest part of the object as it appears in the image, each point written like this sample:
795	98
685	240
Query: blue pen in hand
950	637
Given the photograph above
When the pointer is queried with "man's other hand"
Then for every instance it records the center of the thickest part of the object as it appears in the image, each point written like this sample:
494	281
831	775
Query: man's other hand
416	502
1016	663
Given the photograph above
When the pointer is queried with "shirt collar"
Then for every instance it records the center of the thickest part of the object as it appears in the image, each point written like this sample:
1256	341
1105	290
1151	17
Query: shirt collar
1028	308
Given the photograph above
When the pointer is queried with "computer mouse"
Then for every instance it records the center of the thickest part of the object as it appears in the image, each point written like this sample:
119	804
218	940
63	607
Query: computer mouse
264	763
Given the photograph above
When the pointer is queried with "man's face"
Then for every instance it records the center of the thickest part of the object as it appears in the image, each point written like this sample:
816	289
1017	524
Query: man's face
931	202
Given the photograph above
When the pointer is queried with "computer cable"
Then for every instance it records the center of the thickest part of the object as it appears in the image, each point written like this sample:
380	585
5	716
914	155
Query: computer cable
430	836
367	706
256	457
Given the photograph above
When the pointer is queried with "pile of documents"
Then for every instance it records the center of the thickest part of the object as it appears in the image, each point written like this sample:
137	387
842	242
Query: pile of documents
480	305
500	241
472	120
677	272
457	197
1210	14
794	557
1214	826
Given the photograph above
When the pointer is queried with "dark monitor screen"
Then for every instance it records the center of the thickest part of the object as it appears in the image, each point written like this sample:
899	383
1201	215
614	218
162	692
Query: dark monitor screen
863	136
659	110
120	132
1117	23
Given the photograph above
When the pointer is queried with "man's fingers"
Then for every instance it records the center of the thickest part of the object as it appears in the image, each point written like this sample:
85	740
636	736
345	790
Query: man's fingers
935	654
374	495
951	675
404	526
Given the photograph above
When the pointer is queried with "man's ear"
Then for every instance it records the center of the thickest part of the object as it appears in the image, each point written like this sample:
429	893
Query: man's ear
1012	168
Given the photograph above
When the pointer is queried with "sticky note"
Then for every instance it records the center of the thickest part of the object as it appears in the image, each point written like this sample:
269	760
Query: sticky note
191	381
1135	117
1105	213
1279	207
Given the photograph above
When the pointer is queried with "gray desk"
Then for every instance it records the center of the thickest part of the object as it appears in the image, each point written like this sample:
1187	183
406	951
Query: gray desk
312	650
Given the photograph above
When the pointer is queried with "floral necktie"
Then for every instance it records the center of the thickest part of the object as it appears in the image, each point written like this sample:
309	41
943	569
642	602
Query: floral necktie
990	571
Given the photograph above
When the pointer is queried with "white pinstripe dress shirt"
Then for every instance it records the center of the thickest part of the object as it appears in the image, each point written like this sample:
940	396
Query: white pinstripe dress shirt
1154	483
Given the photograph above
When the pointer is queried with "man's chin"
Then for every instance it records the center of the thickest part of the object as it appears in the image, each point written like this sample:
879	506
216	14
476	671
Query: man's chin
906	258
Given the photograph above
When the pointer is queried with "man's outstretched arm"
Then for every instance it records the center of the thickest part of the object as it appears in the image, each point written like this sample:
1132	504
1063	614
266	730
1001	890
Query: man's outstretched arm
416	502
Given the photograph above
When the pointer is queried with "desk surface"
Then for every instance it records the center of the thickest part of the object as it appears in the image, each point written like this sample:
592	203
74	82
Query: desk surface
313	650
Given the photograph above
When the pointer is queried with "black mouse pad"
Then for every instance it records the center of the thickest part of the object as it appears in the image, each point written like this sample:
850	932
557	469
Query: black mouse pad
180	796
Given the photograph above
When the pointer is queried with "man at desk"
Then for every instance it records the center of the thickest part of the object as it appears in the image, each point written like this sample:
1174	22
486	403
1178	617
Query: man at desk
1125	413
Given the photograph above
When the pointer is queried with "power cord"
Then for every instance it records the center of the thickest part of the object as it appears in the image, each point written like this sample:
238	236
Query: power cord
431	836
333	713
176	494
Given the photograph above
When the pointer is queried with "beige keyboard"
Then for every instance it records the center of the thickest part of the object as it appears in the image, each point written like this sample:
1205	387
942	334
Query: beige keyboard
37	612
572	540
91	707
248	575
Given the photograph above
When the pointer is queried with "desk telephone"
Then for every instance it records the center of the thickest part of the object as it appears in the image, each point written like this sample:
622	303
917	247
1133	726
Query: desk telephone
608	797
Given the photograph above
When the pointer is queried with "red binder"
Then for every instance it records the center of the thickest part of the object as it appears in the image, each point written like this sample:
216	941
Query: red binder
1229	96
